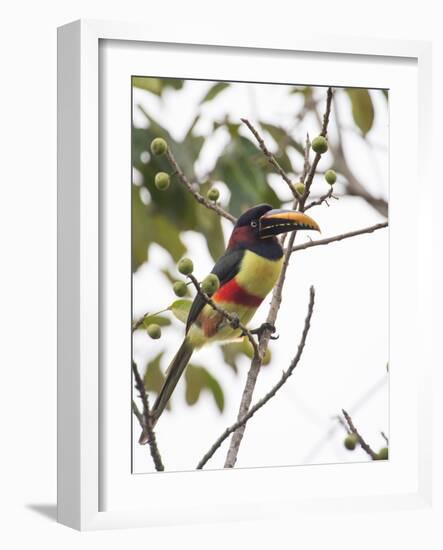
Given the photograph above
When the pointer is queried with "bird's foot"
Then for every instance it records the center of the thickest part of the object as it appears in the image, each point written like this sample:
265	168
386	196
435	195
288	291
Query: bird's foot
266	327
234	321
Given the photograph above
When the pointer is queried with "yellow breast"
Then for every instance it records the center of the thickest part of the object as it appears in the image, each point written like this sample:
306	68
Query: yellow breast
258	275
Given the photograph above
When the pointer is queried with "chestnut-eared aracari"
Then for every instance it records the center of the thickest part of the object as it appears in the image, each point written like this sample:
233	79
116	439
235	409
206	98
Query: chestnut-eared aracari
248	270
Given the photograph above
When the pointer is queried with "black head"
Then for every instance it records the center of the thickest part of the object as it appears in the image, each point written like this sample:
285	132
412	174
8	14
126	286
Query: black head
261	223
251	218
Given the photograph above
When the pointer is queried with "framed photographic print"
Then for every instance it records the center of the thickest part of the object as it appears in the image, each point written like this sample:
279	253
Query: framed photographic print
240	311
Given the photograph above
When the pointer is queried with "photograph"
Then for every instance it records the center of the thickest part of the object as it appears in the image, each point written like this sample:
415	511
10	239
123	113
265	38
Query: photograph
260	274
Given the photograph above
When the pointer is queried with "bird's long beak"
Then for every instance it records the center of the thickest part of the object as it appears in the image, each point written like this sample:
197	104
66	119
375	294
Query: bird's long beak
275	222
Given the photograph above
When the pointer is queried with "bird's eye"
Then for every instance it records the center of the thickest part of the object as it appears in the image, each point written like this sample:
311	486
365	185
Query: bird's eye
254	223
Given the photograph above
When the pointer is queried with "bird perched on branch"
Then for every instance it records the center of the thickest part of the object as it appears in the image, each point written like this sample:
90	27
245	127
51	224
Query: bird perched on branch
247	271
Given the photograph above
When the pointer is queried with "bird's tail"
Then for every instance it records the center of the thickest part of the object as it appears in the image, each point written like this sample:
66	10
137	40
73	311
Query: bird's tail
173	374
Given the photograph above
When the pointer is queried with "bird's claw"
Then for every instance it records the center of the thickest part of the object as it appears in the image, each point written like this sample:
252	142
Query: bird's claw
266	327
235	321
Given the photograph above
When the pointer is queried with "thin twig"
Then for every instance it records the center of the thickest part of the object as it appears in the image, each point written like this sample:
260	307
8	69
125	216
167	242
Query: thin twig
362	442
286	374
147	421
385	437
360	402
138	322
306	163
321	200
232	319
138	414
340	237
272	160
198	196
323	132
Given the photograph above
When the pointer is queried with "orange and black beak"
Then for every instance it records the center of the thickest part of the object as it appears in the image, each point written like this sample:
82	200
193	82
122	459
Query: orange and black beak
275	222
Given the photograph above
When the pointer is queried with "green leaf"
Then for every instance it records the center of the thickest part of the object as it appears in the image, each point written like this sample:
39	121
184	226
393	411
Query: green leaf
210	225
149	227
234	350
156	85
304	90
180	309
282	139
167	235
214	91
362	108
170	212
152	85
197	379
231	353
243	168
156	319
154	378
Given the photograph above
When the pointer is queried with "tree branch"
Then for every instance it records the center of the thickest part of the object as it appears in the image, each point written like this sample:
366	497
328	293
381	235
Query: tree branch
198	196
232	319
272	160
313	168
340	237
148	429
362	442
256	363
322	199
286	374
138	414
254	369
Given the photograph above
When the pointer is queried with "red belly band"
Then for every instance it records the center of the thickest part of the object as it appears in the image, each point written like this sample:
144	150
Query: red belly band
233	292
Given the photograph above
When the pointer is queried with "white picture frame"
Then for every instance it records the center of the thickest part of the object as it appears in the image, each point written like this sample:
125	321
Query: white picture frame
81	412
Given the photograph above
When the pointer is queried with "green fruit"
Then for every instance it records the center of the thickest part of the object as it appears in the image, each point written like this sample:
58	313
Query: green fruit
213	194
319	145
162	181
350	442
210	284
154	331
158	146
185	266
180	288
383	454
330	177
300	188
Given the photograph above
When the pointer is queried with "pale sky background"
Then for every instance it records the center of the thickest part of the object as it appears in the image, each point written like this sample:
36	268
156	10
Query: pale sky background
344	362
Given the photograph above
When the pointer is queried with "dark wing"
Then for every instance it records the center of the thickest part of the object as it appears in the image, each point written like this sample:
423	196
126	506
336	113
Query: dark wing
226	268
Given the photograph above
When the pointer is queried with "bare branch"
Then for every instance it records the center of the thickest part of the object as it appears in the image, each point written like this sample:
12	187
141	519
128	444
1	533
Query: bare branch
138	414
254	369
232	319
362	442
257	361
322	199
198	196
323	132
340	237
286	374
272	160
148	429
306	163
